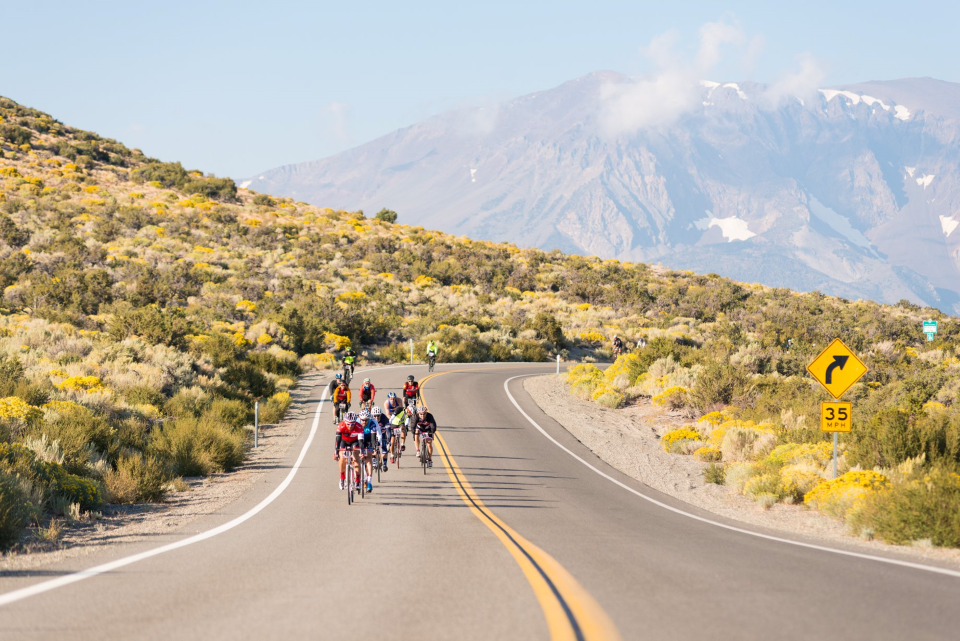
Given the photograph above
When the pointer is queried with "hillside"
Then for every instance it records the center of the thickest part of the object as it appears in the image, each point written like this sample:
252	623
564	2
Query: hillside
852	191
145	308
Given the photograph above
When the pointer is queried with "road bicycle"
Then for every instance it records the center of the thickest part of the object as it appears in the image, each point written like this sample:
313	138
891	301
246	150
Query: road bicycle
378	456
431	361
351	477
395	447
341	412
347	372
424	457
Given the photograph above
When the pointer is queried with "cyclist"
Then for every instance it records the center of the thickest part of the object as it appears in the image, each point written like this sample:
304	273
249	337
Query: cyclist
427	425
340	395
393	405
336	381
411	391
349	437
367	393
371	436
350	358
399	420
617	346
432	351
386	433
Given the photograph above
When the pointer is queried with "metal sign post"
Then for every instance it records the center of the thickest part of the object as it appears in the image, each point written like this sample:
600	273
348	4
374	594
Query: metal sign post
837	369
256	423
411	351
558	364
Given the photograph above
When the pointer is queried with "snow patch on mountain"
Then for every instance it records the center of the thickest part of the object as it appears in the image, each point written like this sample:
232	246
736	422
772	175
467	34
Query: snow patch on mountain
732	228
925	180
911	170
245	184
948	223
900	111
838	223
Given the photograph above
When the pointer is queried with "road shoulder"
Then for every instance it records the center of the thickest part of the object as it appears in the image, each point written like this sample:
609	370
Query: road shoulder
628	440
123	524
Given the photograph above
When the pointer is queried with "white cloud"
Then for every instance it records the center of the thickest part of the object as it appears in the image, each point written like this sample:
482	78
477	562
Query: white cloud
801	83
670	92
336	123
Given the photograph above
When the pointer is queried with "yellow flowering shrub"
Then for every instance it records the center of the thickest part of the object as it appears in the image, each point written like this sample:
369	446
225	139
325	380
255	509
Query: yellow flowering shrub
672	397
350	296
608	396
424	281
707	454
669	440
246	306
623	371
264	339
838	496
337	342
238	339
16	409
584	379
592	337
82	384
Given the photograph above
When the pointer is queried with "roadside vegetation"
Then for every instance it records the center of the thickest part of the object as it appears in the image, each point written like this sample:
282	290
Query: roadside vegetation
754	411
145	307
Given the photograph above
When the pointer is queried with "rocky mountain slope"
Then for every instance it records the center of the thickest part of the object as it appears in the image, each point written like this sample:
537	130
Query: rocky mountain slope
853	191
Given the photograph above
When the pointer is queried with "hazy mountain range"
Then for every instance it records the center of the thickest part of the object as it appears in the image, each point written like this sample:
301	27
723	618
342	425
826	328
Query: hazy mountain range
852	190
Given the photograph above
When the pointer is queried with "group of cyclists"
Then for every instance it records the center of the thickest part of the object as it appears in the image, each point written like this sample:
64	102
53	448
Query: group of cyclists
359	435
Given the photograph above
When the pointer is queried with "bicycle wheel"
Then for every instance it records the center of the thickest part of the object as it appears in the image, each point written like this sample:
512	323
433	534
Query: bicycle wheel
349	483
423	454
379	461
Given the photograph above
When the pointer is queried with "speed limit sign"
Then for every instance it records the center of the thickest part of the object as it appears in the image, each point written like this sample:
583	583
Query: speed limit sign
836	417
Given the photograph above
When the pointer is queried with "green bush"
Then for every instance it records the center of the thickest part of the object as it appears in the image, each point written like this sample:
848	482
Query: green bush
923	508
387	215
717	384
136	479
77	489
273	409
77	428
15	510
229	412
197	447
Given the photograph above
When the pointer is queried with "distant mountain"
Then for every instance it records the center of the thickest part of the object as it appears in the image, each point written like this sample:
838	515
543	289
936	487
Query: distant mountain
855	192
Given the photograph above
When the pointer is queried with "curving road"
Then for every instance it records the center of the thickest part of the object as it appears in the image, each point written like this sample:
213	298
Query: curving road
520	533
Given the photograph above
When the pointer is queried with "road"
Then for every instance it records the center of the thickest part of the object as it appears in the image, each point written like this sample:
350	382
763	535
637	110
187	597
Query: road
509	536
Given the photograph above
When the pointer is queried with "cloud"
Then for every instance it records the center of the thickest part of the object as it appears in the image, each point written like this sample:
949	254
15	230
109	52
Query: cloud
802	83
336	123
673	89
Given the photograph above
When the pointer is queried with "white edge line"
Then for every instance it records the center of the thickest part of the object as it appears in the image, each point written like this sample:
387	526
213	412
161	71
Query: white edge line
59	582
812	546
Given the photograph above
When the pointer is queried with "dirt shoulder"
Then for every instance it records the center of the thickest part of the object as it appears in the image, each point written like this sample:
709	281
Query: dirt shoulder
130	523
628	439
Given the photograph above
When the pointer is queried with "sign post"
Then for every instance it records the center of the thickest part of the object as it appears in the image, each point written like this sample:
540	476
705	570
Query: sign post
837	369
411	351
930	329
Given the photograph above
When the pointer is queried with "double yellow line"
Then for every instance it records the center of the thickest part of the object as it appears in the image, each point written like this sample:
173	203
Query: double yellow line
571	613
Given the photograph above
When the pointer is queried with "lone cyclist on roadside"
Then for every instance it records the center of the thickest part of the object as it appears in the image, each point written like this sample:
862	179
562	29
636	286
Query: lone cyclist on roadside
432	351
350	358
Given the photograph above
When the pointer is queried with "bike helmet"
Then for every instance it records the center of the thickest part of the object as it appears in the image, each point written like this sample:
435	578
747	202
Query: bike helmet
410	378
376	411
366	380
339	375
364	415
350	417
421	409
391	395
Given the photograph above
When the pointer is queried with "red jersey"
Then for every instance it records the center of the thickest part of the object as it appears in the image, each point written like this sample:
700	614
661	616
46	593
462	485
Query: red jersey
410	390
349	432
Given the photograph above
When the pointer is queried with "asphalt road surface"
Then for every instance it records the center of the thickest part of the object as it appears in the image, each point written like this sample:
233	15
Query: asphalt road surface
516	533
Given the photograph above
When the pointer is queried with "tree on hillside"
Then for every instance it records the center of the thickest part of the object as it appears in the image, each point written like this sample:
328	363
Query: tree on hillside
387	215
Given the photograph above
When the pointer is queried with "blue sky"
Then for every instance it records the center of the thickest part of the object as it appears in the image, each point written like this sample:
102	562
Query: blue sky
239	87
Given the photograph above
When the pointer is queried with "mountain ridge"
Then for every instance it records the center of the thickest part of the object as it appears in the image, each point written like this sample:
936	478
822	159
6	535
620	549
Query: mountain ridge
827	184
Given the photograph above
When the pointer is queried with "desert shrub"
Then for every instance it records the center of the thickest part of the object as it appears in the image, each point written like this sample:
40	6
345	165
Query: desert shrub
229	412
608	396
707	454
548	328
144	395
15	509
715	473
584	379
85	492
197	447
837	496
671	440
624	371
136	479
273	409
717	384
151	323
263	200
77	428
744	442
673	398
192	401
927	507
